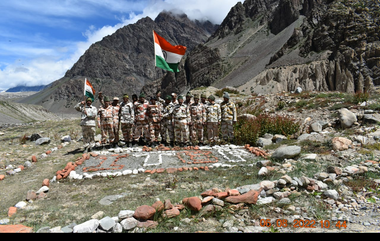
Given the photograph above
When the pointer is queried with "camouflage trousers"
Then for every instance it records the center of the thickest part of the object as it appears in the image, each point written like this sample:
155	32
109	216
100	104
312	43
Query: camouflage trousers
227	129
127	130
116	128
196	132
141	130
181	131
107	130
167	130
88	133
212	131
155	131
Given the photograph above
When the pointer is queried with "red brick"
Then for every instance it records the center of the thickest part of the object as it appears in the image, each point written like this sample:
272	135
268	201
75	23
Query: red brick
46	182
12	211
144	212
171	170
194	203
17	228
249	197
2	177
34	159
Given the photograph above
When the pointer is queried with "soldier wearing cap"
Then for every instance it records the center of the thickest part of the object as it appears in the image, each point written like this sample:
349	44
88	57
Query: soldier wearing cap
204	99
181	118
228	118
213	118
105	122
198	118
141	120
127	119
154	118
88	115
188	100
116	124
158	96
174	99
167	131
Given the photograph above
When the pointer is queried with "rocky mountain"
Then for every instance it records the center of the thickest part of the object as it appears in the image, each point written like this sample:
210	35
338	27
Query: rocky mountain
122	62
266	46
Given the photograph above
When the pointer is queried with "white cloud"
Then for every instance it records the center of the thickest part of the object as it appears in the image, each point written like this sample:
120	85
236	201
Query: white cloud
50	62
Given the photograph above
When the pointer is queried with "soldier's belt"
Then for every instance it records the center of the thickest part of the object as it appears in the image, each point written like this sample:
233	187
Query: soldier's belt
180	118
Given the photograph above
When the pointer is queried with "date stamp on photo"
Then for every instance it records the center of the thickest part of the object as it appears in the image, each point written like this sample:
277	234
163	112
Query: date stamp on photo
302	223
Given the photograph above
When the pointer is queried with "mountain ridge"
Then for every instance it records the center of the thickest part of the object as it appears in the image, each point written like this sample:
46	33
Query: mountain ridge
122	62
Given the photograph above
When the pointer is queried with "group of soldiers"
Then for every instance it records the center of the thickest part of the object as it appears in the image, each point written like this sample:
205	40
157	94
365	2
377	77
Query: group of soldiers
173	121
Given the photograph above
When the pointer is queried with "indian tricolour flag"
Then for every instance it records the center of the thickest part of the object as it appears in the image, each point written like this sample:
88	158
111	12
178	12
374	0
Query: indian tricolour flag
167	55
89	91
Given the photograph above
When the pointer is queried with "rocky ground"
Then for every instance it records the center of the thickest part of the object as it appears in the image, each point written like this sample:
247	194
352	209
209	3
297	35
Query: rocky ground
325	178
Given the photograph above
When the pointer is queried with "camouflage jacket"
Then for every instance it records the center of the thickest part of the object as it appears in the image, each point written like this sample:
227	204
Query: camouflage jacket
197	113
105	115
213	113
181	112
167	110
155	112
141	111
88	114
127	113
228	111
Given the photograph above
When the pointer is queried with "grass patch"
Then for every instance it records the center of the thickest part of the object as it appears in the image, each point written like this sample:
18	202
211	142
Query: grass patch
248	131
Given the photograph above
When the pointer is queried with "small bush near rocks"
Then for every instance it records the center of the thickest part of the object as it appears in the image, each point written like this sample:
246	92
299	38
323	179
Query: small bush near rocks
248	131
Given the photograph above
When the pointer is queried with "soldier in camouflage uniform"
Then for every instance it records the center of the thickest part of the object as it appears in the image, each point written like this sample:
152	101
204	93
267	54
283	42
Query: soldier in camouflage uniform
188	100
174	99
204	99
154	117
181	118
116	124
87	122
105	122
167	122
213	118
198	118
229	118
158	96
127	119
141	120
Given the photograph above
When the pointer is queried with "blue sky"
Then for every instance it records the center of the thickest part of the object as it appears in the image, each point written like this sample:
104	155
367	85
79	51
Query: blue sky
41	39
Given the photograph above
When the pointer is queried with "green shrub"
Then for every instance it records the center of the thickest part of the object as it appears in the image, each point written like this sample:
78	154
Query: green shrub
248	131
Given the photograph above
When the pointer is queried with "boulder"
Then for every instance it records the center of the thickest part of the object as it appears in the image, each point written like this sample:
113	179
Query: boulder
286	152
87	227
42	141
129	223
331	194
123	214
341	143
107	223
346	117
371	118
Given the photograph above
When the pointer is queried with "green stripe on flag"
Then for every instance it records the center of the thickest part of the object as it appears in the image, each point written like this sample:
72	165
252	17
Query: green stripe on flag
90	95
161	63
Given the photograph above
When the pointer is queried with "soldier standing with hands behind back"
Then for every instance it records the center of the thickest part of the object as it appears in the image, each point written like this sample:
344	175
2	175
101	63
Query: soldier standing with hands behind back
213	118
229	118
